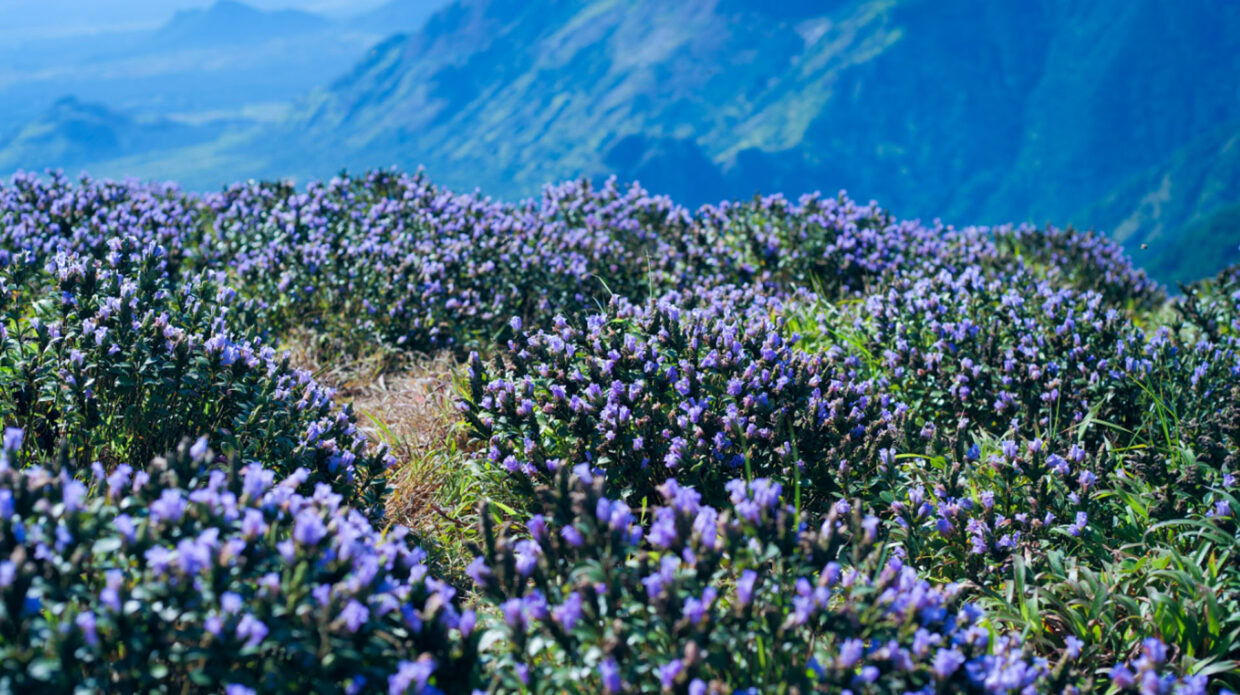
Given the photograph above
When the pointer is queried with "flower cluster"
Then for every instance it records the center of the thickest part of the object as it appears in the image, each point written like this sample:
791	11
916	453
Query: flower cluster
180	573
124	364
768	443
700	599
701	395
994	505
1084	260
394	258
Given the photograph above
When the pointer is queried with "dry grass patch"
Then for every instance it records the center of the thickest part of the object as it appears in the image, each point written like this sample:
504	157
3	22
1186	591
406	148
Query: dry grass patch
405	401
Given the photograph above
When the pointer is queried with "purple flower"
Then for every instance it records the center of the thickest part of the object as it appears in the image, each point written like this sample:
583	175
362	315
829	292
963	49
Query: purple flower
199	449
323	594
467	622
923	639
663	531
1010	452
572	536
478	571
745	585
252	630
308	528
568	613
159	559
256	481
870	525
1121	677
526	555
1155	650
1078	528
851	652
13	439
695	608
411	674
537	526
252	524
86	623
169	507
868	674
354	615
109	596
946	662
514	613
668	673
1087	479
987	498
230	603
118	479
609	671
74	493
213	624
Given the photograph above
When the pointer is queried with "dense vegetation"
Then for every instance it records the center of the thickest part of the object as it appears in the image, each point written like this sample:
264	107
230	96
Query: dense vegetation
786	446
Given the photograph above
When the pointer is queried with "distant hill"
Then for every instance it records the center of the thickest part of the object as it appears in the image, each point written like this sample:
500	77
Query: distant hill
230	22
73	134
226	60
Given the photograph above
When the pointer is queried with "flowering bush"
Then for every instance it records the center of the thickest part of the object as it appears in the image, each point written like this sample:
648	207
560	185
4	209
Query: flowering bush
180	575
44	217
1009	355
402	261
703	395
122	365
1085	260
698	599
767	444
845	248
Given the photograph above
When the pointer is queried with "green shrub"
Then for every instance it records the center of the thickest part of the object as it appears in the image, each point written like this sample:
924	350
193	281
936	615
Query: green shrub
184	576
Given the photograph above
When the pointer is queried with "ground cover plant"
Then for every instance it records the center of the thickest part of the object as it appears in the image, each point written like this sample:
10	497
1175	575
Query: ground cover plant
374	435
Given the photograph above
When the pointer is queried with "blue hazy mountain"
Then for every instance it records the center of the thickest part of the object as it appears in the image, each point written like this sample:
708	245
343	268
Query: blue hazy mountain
396	16
965	110
228	22
74	135
227	61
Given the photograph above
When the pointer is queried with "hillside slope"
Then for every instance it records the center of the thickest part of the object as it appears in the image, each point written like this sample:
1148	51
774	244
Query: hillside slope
962	109
1186	210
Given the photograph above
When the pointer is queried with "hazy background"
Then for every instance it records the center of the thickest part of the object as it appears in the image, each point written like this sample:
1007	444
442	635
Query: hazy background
1118	114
